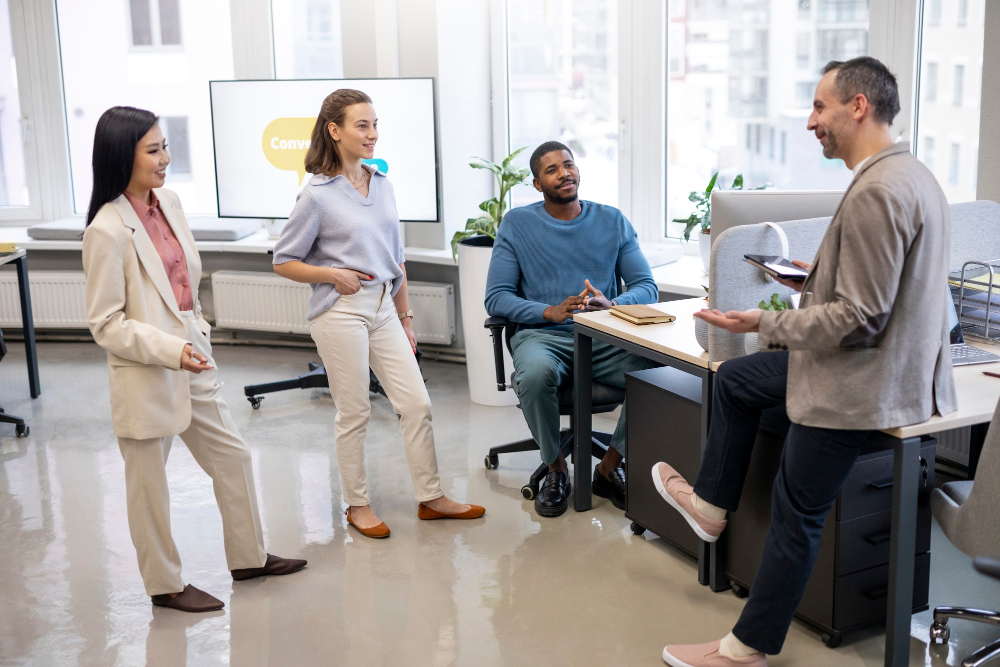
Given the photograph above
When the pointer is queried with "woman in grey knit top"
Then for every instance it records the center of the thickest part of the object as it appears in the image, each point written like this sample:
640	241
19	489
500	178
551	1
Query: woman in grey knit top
342	238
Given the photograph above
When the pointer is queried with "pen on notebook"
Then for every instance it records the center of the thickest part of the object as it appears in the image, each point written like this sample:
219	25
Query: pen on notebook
992	375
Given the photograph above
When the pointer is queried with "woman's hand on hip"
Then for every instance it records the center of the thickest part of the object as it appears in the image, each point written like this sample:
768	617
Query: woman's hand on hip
193	361
347	281
410	336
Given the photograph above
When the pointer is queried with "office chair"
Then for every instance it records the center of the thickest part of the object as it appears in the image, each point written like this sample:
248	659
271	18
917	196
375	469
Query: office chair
967	514
605	399
21	429
315	378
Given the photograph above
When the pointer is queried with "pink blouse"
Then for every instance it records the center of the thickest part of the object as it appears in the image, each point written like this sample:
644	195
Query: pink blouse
168	247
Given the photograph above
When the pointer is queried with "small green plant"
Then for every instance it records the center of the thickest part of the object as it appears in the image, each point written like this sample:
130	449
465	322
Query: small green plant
493	210
775	304
703	205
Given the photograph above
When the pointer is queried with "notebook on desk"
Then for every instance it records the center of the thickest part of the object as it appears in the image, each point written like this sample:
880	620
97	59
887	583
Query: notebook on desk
641	314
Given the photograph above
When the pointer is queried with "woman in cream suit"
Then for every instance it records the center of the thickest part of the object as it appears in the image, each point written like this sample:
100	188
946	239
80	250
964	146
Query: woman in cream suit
142	272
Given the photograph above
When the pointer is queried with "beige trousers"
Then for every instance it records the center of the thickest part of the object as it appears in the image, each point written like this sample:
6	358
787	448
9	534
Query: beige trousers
218	448
359	331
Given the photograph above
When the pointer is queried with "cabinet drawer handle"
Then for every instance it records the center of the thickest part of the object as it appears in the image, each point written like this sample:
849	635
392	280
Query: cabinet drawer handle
878	538
877	594
884	484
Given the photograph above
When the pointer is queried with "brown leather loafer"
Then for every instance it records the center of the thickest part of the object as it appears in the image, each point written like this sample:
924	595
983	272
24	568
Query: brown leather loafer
190	599
427	514
275	566
375	532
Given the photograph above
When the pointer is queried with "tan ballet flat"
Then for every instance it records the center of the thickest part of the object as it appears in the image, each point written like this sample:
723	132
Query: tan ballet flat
375	532
426	513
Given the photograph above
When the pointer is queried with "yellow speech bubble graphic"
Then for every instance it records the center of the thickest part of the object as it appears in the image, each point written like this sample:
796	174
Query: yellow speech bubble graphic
285	143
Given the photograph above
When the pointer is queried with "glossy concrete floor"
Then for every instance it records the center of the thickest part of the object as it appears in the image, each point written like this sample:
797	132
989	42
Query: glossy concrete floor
509	589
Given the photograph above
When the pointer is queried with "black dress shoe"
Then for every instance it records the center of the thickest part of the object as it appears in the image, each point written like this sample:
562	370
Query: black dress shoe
191	599
553	494
275	566
611	487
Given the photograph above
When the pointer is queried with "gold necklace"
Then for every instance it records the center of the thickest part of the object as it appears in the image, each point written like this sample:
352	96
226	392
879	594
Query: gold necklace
364	179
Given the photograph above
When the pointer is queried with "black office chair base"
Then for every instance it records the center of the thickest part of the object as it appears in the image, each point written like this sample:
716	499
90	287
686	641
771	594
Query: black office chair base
315	378
21	429
599	447
940	632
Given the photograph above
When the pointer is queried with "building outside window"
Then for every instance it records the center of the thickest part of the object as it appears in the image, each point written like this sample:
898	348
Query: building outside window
940	114
155	23
963	13
308	42
563	78
172	83
13	179
954	163
761	79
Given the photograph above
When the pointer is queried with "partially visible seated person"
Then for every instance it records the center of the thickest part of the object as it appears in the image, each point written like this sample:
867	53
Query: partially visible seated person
551	259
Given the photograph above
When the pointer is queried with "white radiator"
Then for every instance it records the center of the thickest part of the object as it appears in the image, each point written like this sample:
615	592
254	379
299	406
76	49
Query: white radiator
58	299
248	300
953	446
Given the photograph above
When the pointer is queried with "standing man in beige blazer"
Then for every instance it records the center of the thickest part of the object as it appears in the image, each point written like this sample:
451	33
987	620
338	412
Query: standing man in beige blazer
142	270
868	349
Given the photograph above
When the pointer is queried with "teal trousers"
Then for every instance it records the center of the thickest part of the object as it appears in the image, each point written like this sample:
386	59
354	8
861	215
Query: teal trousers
543	360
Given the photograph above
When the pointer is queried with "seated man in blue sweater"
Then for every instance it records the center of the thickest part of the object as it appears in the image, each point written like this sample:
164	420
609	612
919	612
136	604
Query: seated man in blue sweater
551	259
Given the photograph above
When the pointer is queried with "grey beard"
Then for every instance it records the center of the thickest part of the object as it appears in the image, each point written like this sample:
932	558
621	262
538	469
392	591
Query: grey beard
831	145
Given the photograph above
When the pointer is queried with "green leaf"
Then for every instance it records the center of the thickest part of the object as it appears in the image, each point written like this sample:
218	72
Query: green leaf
507	160
738	182
711	183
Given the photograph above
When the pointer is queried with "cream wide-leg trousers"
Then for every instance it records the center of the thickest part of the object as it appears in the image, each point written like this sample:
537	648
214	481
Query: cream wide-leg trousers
360	331
218	448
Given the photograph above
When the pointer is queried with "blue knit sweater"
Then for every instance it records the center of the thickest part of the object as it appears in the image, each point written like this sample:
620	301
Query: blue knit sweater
538	261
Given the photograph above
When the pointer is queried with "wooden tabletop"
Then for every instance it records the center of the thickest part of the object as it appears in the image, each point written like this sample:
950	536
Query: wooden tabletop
977	399
675	339
6	257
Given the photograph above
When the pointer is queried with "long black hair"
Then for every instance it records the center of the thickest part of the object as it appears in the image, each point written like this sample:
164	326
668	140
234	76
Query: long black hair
118	133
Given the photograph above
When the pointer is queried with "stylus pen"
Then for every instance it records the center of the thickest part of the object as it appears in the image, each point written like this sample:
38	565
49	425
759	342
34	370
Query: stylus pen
992	375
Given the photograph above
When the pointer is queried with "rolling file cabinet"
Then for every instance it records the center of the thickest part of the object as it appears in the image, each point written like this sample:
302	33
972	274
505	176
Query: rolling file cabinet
848	587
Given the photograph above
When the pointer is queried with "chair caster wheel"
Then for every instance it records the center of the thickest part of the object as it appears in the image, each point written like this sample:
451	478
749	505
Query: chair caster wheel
740	592
22	431
492	462
255	401
637	529
940	633
832	641
528	492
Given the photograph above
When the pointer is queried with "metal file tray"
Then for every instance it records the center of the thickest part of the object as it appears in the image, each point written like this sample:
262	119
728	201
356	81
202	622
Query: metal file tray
976	292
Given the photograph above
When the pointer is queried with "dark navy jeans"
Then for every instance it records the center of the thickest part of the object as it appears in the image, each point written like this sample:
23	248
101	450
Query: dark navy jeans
814	464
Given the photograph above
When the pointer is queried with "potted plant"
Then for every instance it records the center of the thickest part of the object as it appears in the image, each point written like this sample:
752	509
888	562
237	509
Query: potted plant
702	215
473	247
750	340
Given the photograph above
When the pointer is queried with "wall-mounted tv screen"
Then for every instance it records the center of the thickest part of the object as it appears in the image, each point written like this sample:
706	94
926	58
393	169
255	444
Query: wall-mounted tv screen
261	131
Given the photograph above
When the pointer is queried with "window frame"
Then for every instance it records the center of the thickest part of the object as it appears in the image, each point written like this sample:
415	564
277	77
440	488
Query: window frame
155	30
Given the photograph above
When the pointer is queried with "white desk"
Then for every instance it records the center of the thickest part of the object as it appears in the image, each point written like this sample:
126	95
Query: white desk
674	345
685	276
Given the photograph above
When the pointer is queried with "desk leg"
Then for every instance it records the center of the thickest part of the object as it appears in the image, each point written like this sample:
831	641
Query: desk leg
902	544
711	557
28	324
582	421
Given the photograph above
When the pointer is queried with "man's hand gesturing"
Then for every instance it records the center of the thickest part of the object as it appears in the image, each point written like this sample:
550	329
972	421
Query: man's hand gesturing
564	311
594	299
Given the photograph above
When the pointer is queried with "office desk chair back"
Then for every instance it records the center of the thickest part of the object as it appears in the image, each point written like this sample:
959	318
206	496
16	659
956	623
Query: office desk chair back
967	512
21	429
605	399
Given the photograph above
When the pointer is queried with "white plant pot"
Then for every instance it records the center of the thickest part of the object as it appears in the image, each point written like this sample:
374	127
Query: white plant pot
705	248
751	343
701	333
273	227
473	266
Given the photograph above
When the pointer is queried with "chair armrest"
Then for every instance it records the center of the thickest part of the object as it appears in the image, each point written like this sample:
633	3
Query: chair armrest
496	326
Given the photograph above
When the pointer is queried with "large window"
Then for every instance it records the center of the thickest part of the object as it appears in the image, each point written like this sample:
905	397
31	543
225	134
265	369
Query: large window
761	60
171	82
950	73
563	74
307	39
13	182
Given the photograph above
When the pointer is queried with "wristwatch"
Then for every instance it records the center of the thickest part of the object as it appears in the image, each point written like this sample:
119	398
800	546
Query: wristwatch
403	316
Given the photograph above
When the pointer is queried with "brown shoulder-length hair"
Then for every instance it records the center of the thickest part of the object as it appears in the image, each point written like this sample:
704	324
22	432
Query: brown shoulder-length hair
322	156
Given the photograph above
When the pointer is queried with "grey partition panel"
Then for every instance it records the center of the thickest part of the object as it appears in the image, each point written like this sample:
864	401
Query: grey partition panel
975	232
736	285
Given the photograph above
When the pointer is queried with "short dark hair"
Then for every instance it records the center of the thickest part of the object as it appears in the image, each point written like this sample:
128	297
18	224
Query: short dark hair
118	132
542	151
869	77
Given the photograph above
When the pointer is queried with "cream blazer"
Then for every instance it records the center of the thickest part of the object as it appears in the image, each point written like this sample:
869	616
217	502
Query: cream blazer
133	315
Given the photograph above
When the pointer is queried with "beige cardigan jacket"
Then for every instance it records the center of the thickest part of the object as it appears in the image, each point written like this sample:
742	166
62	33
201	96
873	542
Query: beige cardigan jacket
870	342
133	315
